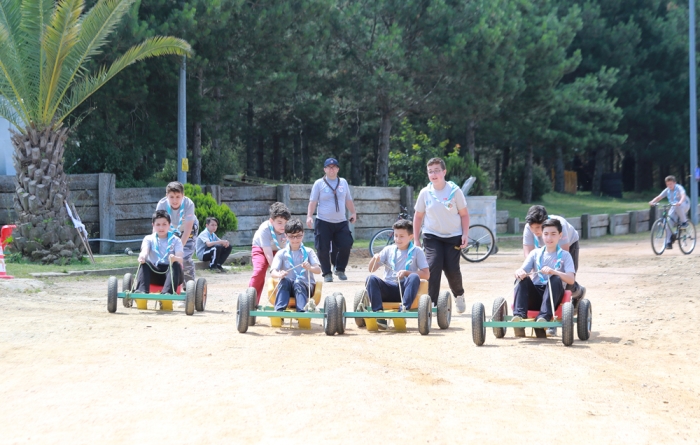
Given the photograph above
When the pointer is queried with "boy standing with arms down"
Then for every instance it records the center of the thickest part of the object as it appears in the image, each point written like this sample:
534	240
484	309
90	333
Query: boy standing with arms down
402	261
679	204
160	257
210	247
267	241
183	223
294	266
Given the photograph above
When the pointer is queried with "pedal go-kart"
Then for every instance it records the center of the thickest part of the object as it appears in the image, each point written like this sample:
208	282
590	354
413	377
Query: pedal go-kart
421	309
331	313
565	317
195	297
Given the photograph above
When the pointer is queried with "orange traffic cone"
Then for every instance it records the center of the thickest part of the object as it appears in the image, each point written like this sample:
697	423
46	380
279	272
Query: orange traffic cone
3	275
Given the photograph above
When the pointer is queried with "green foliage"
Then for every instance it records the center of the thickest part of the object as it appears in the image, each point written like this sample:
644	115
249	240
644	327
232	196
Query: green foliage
205	205
460	168
515	176
411	152
169	172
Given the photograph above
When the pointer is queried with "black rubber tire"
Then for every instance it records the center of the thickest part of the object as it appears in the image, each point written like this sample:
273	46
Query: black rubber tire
499	312
112	292
425	314
127	283
189	297
478	319
658	237
687	238
359	296
341	309
242	313
480	245
200	294
444	309
584	319
252	299
380	240
330	316
567	322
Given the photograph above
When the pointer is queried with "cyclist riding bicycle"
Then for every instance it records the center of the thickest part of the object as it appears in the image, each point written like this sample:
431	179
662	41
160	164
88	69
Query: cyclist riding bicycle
679	205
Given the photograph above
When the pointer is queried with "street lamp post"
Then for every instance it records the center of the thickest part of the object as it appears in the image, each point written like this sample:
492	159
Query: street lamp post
182	124
693	115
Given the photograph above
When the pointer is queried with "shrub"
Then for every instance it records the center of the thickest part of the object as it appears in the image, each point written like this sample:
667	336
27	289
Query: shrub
459	169
515	175
205	205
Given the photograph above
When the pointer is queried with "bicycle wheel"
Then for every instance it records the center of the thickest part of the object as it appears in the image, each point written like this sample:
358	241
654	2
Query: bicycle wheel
686	238
481	244
658	236
380	240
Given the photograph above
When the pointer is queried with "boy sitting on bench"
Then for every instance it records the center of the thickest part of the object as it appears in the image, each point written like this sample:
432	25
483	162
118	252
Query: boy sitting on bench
402	261
549	261
160	257
295	266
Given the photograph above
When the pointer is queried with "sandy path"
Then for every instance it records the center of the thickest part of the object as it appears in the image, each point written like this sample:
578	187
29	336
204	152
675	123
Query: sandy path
73	373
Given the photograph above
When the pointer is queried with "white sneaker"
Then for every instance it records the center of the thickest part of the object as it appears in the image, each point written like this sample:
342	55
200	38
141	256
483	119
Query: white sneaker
461	305
181	305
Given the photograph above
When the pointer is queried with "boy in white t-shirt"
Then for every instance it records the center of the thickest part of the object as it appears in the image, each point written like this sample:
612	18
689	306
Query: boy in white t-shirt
679	201
210	247
160	257
442	216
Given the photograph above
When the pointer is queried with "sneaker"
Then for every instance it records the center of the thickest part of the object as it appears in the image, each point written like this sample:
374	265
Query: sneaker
382	324
669	246
685	224
461	306
519	332
214	269
181	305
220	268
540	332
328	278
341	275
541	320
552	331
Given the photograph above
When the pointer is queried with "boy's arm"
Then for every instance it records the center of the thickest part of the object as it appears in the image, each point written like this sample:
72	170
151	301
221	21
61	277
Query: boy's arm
268	254
566	277
417	226
658	198
145	249
424	274
186	230
312	263
276	266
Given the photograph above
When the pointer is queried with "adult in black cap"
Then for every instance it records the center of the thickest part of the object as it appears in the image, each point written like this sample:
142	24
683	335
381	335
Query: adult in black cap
332	195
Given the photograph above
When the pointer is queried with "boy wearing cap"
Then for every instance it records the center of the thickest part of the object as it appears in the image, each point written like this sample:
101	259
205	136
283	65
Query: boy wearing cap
332	195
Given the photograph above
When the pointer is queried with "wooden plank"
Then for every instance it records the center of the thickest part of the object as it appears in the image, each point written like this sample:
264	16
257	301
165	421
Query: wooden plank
250	222
133	211
250	208
597	232
502	216
385	220
85	198
621	229
83	182
300	206
259	193
576	222
300	191
501	228
621	219
139	195
376	193
599	220
7	183
131	227
643	226
642	215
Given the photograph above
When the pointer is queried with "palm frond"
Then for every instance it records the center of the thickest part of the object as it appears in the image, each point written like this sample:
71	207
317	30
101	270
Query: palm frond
152	47
36	15
95	27
10	113
59	37
10	21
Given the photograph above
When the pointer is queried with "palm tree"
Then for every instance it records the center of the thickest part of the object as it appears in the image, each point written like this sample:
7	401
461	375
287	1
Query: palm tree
45	48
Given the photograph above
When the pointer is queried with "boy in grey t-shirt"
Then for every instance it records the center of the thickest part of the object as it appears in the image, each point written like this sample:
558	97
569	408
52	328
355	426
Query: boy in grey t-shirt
183	222
210	247
679	204
160	257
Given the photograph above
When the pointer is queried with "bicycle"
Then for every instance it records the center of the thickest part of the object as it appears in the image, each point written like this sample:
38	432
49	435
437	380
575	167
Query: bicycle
684	235
481	240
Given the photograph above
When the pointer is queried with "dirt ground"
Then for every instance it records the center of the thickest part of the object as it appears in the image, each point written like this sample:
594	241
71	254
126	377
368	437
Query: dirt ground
73	373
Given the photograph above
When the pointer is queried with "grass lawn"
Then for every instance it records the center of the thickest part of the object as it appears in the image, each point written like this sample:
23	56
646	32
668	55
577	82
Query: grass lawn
23	268
575	205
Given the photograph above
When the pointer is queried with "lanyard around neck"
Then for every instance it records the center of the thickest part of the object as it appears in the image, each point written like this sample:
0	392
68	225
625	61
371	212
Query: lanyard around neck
304	257
161	258
335	192
447	202
556	265
274	235
182	213
409	257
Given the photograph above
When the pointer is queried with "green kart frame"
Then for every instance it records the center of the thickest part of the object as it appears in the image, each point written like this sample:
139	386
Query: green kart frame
195	297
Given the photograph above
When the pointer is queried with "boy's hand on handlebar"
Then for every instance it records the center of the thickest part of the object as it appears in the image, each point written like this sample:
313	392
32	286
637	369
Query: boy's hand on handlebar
306	265
403	274
520	274
546	270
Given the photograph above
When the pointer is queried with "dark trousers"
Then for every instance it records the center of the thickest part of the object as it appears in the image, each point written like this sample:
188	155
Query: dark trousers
338	234
216	255
380	290
284	293
573	250
159	275
531	297
443	257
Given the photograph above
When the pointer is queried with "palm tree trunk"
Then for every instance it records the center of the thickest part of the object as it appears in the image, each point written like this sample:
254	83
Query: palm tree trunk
44	231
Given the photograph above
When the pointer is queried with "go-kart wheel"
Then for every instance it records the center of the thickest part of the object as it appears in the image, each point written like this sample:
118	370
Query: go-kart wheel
252	300
500	310
200	294
478	320
330	317
567	324
112	295
360	297
127	284
242	313
444	309
340	310
189	297
584	320
425	314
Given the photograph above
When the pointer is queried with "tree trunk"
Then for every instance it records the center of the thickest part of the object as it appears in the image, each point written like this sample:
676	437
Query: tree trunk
383	154
471	139
305	164
197	154
44	231
276	159
296	157
506	159
356	173
249	148
498	174
559	171
598	171
527	176
261	156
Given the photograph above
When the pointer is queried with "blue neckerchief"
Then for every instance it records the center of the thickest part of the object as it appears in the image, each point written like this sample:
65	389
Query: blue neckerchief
305	256
212	237
447	201
409	257
672	194
556	265
274	236
182	213
161	258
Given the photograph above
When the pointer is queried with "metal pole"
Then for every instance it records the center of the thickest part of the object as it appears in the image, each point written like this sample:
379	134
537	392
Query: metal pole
182	122
693	115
